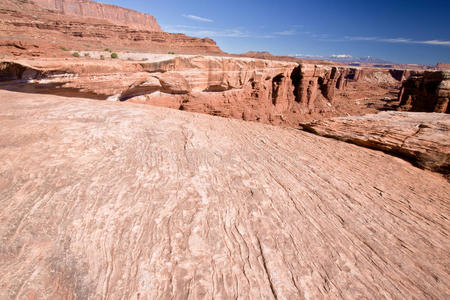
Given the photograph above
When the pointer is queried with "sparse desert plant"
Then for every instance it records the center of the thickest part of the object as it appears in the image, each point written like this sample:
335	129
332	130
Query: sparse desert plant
87	55
63	48
102	57
145	59
76	54
107	50
171	52
114	55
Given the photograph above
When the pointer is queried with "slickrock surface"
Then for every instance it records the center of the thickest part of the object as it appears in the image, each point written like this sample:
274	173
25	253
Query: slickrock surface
423	138
112	13
273	92
107	200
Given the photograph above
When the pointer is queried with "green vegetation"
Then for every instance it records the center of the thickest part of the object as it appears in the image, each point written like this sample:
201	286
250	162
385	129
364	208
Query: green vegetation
107	50
87	55
114	55
102	57
171	52
63	48
76	54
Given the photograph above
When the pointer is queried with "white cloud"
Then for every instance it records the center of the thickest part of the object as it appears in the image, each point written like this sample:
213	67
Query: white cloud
398	40
286	32
360	38
197	18
437	42
341	56
180	27
311	56
205	32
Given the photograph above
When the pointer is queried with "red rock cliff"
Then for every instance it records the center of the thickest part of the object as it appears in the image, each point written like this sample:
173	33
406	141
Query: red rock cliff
427	91
115	14
23	20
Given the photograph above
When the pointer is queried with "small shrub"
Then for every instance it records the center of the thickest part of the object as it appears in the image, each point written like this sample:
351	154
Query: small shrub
171	52
87	55
102	57
63	48
76	54
107	50
114	55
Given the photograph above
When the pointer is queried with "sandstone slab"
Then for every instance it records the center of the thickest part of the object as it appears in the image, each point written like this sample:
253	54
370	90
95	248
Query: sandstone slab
112	200
422	138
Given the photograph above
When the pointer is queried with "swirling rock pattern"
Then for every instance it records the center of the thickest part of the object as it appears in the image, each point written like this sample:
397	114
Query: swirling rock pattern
422	138
109	200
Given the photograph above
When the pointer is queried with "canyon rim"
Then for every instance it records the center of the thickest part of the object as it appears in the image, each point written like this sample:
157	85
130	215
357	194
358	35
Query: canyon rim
138	163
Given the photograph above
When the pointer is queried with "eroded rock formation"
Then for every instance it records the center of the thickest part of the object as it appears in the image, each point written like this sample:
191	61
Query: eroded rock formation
112	13
55	32
251	89
427	91
421	138
106	200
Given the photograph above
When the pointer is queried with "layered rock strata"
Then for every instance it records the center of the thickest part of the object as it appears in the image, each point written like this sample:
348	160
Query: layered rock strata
56	33
243	88
422	138
426	91
112	13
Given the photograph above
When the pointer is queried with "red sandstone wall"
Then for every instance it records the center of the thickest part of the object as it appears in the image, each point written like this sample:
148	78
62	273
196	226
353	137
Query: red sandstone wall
112	13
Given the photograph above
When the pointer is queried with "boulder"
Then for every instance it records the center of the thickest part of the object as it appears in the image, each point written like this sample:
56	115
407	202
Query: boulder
421	138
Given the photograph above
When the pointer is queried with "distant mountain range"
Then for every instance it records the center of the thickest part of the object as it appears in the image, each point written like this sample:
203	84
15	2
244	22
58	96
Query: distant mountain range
347	59
342	59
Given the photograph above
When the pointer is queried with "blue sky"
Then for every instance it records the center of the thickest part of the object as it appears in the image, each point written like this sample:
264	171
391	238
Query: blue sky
395	30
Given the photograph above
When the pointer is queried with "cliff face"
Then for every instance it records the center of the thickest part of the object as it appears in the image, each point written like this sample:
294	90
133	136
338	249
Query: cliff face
273	92
426	91
115	14
22	20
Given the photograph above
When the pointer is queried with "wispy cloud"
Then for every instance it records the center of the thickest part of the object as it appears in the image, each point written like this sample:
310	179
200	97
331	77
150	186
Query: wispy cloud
341	56
203	31
199	19
179	27
206	32
436	42
399	40
286	32
310	56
